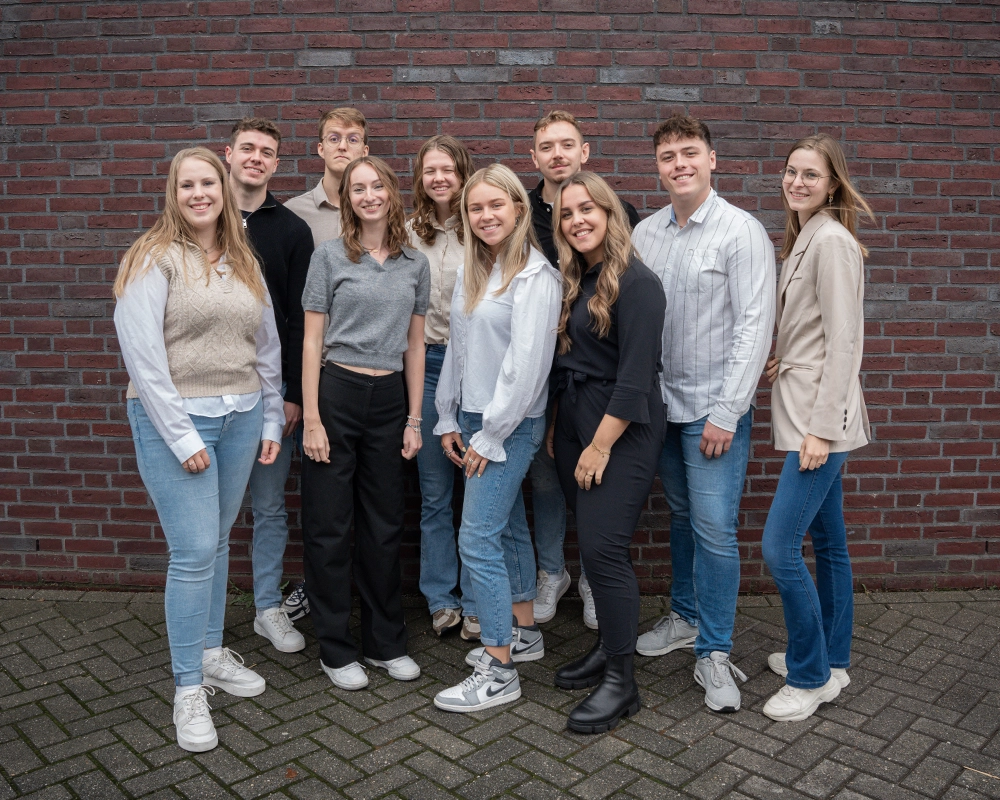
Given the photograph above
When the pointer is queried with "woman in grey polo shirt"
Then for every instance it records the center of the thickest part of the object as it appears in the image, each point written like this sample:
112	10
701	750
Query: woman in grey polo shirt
374	288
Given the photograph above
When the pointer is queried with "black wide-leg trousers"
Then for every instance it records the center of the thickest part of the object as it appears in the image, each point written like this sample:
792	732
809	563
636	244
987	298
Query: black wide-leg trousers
364	416
607	514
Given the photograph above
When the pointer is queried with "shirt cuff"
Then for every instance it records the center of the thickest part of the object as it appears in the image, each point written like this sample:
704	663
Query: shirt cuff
446	425
724	420
271	431
492	450
187	446
630	405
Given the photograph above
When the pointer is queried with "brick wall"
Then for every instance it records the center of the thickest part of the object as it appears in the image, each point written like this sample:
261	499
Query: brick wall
98	96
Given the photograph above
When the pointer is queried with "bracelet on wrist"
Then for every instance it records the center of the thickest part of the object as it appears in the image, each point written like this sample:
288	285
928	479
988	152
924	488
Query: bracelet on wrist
418	420
413	428
599	450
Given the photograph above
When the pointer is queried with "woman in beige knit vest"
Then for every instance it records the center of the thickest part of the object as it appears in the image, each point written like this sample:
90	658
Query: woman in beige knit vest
202	352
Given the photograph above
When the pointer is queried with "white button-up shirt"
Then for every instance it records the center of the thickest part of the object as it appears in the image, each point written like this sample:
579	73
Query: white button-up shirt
718	274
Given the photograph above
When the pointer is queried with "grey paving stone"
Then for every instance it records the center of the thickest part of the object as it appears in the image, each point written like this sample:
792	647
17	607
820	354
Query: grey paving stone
384	757
824	780
715	781
548	769
598	753
493	755
120	762
440	770
96	785
381	783
442	742
493	784
604	783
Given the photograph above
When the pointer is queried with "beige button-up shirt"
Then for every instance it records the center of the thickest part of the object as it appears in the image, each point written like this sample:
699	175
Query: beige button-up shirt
322	216
445	255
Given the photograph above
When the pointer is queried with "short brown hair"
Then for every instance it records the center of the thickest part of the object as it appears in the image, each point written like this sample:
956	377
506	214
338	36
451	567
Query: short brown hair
346	116
681	126
558	116
260	124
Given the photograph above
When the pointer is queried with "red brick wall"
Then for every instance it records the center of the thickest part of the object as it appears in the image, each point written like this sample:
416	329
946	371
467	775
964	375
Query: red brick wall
98	96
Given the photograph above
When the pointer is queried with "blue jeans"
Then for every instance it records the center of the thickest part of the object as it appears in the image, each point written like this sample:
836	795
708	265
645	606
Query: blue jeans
196	512
704	498
439	569
819	616
270	525
550	513
494	540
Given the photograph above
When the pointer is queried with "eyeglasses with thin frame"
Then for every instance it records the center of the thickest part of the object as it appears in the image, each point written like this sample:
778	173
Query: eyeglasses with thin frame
334	139
809	177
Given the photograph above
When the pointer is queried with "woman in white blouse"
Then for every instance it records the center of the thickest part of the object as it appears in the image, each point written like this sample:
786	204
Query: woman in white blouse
491	418
202	352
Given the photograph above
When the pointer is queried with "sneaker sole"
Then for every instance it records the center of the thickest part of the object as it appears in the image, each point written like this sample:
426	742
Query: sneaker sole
680	644
827	697
711	705
555	607
296	614
499	700
594	626
197	747
601	727
234	689
281	648
398	676
779	668
521	658
449	629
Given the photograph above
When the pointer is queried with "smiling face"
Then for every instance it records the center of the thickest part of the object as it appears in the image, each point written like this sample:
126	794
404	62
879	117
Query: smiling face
583	223
440	177
559	152
685	167
252	159
340	145
369	195
199	194
492	215
810	167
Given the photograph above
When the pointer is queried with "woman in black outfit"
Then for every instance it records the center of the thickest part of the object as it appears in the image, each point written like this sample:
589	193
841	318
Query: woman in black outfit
608	430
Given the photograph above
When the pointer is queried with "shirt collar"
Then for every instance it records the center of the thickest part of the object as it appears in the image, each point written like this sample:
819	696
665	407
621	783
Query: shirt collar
699	213
537	196
319	197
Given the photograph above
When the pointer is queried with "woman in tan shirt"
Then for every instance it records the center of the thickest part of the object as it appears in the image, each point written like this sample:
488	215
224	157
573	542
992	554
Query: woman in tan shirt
818	416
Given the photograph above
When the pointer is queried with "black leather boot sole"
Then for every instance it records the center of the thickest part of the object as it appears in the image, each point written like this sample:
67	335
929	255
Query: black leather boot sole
586	671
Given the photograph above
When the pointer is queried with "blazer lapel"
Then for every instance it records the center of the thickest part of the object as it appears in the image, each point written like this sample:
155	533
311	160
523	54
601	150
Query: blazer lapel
802	241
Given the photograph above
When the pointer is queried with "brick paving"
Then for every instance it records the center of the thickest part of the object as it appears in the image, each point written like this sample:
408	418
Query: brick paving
84	713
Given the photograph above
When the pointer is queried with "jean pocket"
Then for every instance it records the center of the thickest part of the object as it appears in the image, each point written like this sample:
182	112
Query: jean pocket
537	431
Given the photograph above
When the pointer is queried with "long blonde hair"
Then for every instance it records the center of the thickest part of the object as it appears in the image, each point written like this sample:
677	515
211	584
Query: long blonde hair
396	235
514	253
424	210
618	252
847	202
172	228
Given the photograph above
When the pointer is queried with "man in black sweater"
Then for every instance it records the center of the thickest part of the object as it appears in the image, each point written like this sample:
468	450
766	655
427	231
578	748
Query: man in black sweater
558	152
284	244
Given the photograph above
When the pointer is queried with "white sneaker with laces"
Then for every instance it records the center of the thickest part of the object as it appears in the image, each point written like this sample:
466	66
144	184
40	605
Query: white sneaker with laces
275	626
403	668
776	661
793	705
549	589
195	729
714	673
670	633
351	677
224	669
491	684
589	610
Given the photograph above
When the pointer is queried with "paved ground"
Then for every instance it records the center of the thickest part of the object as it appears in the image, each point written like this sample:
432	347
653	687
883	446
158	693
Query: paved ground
84	684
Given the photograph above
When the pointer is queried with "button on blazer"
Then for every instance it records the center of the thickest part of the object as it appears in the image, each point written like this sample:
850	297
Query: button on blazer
820	318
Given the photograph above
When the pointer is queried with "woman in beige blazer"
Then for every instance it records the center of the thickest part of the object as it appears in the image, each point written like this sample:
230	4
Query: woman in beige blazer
818	416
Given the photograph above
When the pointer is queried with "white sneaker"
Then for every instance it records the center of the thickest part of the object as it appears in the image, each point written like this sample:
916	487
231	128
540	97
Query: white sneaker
776	661
195	729
793	705
550	589
589	610
403	668
224	669
491	684
275	626
352	677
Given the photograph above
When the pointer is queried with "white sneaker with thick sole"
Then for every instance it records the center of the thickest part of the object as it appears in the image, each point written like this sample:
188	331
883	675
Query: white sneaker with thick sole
195	729
275	626
403	668
589	609
351	677
793	705
224	669
491	684
550	589
776	661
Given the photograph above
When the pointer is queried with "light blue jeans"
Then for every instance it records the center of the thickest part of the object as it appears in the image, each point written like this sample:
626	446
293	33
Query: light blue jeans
196	512
819	616
704	498
439	569
494	540
270	525
550	513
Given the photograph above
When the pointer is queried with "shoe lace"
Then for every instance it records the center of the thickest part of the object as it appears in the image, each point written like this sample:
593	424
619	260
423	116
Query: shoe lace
280	621
196	703
480	675
298	593
721	672
546	587
230	661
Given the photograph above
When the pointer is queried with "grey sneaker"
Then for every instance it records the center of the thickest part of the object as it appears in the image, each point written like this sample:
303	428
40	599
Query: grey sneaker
668	634
550	589
527	645
714	673
776	662
589	609
471	629
491	684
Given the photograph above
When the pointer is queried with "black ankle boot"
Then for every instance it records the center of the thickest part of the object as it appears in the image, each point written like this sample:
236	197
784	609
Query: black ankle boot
586	671
616	697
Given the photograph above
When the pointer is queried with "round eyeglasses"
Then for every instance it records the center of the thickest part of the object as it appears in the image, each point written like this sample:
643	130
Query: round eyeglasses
809	178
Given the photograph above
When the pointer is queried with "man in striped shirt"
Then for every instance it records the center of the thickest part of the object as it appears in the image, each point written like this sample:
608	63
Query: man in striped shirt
717	268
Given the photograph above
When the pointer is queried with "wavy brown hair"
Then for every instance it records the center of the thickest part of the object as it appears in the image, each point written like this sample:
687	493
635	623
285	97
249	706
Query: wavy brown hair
618	252
172	228
514	253
395	236
846	203
424	211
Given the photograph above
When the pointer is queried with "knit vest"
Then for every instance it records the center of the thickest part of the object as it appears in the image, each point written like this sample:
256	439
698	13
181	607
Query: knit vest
208	330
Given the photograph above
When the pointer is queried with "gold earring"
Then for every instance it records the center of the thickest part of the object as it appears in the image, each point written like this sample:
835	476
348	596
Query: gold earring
829	200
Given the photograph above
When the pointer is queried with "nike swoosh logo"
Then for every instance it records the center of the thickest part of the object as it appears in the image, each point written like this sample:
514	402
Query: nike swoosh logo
491	693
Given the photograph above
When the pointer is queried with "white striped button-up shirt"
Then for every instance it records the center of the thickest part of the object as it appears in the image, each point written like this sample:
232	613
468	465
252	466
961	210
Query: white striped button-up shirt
718	274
